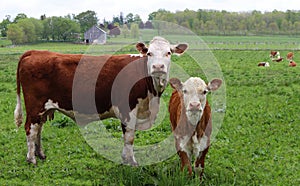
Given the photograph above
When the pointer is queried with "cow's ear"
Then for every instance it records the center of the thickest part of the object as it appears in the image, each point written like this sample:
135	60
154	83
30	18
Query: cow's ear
214	84
179	49
175	83
141	48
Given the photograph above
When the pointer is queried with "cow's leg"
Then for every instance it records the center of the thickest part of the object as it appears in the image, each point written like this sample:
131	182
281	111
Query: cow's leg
185	161
31	134
127	154
38	144
199	164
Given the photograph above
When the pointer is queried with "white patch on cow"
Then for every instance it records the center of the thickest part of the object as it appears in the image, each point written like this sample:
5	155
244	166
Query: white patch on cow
143	116
185	145
193	145
31	140
199	146
51	105
136	55
18	115
267	64
193	117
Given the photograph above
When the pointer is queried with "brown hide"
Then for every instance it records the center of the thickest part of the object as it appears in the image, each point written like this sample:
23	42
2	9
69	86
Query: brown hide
179	122
290	56
46	75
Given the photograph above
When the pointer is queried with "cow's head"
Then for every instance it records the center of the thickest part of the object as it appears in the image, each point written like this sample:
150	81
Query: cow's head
193	95
159	59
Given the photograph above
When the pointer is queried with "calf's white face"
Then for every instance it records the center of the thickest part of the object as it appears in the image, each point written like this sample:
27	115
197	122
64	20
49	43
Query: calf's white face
193	93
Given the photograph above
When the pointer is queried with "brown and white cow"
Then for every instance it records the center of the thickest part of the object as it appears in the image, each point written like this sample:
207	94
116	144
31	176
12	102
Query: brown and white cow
263	64
292	63
191	123
127	87
275	56
290	56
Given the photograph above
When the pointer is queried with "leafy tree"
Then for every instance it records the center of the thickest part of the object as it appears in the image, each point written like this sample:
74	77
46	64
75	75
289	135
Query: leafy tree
19	17
3	26
121	18
29	30
129	18
273	27
134	30
137	18
125	31
15	34
86	20
60	28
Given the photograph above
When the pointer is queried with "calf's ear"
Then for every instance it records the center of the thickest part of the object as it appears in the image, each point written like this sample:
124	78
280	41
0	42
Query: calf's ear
214	84
141	48
175	83
179	49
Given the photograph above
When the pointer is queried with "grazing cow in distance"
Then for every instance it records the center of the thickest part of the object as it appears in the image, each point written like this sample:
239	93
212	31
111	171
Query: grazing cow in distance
292	64
126	86
275	56
263	64
191	122
290	56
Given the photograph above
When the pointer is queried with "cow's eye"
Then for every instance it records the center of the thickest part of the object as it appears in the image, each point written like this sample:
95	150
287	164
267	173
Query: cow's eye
168	54
149	54
205	92
184	91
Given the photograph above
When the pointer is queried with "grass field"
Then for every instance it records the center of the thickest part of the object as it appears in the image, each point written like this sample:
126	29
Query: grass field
258	143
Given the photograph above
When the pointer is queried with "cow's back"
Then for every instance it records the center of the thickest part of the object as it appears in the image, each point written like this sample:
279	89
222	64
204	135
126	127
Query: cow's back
62	78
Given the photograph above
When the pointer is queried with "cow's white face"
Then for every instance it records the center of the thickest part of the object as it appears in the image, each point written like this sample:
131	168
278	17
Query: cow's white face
193	93
159	59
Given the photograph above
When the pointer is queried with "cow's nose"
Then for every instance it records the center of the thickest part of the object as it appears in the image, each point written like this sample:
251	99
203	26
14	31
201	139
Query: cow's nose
195	105
158	67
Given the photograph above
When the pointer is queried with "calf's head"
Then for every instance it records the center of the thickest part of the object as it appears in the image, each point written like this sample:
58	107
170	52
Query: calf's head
193	95
159	59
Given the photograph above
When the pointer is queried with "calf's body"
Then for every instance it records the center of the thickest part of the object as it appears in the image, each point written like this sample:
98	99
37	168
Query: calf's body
191	123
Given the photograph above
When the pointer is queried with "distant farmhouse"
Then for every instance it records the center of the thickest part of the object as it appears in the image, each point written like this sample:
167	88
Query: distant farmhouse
95	35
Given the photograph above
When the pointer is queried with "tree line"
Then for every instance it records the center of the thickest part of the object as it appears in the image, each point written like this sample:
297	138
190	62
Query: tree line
213	22
202	22
67	28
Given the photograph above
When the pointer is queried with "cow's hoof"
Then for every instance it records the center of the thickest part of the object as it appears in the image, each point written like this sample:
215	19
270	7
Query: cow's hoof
130	162
41	155
31	160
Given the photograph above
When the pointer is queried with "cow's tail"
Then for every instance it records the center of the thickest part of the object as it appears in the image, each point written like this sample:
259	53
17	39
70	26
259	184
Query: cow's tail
18	114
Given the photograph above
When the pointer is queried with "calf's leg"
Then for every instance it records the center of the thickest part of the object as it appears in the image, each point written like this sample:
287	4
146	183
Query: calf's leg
185	161
199	164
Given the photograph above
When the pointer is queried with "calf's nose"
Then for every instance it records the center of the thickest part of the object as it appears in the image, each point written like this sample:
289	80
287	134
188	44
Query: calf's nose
195	105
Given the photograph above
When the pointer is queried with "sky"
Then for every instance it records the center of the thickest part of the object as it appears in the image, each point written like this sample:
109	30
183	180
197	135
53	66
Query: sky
106	9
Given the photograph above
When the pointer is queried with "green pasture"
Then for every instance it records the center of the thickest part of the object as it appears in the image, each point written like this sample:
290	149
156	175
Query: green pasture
258	143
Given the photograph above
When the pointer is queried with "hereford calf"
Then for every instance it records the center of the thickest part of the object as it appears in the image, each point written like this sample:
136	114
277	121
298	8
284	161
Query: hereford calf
190	117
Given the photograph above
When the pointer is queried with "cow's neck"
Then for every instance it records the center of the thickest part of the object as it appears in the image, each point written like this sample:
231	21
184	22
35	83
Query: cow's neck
160	84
